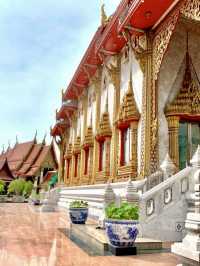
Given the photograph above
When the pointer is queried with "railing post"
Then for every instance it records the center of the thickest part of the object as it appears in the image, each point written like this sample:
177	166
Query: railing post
132	196
109	195
189	249
168	167
108	198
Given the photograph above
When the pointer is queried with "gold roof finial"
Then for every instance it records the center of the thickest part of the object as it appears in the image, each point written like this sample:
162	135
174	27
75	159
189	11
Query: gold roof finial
104	17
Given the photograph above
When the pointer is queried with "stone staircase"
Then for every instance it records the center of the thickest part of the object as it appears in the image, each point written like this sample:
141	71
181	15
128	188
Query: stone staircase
163	207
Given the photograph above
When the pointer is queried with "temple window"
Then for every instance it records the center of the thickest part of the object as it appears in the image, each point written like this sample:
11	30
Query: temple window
189	139
76	165
125	155
101	155
68	167
86	161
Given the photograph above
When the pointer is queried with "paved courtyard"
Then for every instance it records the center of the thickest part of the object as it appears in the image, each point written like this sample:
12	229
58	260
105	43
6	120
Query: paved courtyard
31	238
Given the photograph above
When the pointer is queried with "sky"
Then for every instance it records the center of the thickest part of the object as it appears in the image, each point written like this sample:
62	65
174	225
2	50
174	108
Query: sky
41	45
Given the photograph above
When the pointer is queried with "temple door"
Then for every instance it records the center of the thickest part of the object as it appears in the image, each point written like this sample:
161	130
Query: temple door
189	139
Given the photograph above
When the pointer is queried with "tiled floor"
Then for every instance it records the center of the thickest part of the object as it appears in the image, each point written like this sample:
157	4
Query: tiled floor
31	238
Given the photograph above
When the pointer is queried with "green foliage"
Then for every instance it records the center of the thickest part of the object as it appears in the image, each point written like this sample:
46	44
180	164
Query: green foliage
16	187
2	187
27	189
126	211
78	204
2	183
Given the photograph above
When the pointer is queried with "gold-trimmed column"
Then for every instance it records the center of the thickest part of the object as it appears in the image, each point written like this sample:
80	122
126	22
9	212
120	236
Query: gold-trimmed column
82	156
134	128
115	76
173	125
97	85
149	144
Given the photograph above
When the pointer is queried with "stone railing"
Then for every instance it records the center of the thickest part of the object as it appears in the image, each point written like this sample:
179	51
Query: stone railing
163	208
96	195
155	200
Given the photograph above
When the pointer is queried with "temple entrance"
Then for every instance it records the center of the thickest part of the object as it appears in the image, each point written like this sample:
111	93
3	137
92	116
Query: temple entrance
189	139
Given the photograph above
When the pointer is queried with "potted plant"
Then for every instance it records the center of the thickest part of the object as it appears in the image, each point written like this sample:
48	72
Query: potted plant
121	224
78	211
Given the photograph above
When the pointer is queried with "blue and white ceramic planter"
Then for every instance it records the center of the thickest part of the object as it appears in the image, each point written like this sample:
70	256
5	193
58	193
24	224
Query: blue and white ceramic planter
121	233
78	215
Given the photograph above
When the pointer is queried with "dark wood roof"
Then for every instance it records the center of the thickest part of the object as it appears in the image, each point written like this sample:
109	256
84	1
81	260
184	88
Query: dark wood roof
5	172
25	159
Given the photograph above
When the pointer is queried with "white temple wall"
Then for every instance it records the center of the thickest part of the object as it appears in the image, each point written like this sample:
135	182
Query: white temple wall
137	80
103	91
171	76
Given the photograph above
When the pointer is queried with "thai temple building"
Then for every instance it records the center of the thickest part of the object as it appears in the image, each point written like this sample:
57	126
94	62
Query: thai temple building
128	128
29	160
135	97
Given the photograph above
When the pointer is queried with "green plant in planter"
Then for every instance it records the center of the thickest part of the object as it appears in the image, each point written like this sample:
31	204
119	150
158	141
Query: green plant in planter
17	187
78	204
27	189
126	211
2	187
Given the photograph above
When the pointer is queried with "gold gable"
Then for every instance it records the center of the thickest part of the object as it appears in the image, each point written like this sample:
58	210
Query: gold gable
128	109
104	125
77	145
187	102
88	137
104	129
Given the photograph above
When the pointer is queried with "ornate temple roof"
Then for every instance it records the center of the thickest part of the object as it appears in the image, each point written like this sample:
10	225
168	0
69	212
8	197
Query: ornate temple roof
25	159
134	15
5	172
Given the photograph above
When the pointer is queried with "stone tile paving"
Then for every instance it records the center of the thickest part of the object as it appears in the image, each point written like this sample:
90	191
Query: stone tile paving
31	238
